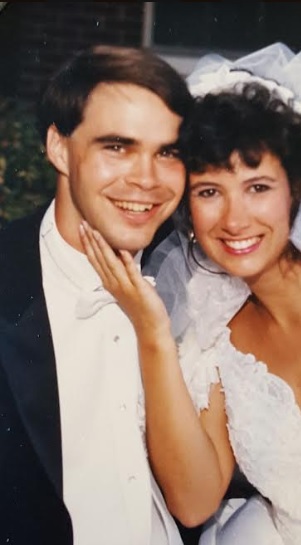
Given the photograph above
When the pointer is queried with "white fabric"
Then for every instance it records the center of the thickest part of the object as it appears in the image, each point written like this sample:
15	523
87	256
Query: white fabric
93	300
275	66
264	420
241	522
172	267
108	488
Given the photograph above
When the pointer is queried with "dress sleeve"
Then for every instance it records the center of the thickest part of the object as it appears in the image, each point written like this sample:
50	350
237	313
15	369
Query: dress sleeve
213	299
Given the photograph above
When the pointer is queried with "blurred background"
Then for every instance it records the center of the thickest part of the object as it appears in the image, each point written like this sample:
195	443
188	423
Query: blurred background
35	37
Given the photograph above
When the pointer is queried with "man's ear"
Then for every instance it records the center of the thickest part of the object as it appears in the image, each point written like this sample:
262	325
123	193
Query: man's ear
56	148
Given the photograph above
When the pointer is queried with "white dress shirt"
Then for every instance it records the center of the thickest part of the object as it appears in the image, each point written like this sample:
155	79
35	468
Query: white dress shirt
108	488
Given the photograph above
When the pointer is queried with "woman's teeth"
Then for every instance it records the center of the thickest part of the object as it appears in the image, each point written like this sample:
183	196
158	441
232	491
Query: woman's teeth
241	244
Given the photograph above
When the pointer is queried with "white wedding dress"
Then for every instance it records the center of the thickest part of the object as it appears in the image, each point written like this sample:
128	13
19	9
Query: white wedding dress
264	420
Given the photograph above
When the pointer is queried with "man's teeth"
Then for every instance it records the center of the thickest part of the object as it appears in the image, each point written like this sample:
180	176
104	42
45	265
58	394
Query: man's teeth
134	206
242	244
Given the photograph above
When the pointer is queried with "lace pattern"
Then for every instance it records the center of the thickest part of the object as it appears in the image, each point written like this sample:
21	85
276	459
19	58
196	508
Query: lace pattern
264	420
198	380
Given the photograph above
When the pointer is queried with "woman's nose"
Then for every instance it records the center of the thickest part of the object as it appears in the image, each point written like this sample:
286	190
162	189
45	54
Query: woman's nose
236	216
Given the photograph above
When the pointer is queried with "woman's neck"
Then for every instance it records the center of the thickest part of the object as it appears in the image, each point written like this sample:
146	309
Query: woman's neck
277	292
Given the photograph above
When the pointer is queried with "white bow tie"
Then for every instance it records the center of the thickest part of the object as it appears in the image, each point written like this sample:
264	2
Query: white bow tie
90	302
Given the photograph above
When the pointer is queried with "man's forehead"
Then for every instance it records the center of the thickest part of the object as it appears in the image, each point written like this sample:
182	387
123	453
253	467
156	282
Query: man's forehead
123	92
129	112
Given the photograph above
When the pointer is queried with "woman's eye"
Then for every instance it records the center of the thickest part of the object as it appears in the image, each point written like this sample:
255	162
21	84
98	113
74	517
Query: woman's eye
206	193
259	188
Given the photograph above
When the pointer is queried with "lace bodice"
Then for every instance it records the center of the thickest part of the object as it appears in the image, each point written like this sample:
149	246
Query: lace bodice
264	420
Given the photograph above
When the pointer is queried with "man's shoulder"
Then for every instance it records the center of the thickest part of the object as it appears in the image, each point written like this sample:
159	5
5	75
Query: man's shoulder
20	256
20	267
20	226
20	236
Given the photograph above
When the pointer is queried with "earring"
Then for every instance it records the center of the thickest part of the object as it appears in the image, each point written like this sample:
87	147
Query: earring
191	237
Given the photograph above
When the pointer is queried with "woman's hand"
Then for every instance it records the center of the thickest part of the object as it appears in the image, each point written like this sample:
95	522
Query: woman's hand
121	277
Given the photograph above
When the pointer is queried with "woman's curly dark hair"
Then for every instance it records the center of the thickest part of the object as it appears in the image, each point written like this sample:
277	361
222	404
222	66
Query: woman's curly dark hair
250	120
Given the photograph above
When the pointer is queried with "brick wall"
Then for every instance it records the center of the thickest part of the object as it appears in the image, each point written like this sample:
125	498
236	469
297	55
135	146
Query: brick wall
36	36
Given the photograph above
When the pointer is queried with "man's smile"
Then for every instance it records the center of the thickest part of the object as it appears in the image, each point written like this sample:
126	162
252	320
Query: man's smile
134	206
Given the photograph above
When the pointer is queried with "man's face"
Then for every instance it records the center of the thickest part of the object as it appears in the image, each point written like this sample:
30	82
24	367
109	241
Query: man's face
120	171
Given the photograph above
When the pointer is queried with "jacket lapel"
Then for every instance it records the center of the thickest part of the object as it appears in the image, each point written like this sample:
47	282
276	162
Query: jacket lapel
26	348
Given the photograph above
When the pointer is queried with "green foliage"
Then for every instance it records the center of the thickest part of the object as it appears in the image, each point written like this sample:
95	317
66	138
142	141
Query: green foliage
27	180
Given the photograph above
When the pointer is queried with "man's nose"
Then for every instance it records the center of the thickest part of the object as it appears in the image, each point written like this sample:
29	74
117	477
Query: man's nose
143	172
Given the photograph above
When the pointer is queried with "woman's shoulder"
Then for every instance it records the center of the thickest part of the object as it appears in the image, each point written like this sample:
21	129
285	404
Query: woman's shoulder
199	368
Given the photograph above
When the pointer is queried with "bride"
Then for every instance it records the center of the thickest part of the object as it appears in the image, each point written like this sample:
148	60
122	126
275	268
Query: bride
236	394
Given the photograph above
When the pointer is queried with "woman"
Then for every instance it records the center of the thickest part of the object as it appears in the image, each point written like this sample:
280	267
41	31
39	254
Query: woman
242	150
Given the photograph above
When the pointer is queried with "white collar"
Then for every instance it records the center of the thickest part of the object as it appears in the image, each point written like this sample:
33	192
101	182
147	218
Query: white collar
72	263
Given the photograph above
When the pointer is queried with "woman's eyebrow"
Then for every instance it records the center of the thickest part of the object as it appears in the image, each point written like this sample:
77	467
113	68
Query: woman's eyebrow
201	183
260	178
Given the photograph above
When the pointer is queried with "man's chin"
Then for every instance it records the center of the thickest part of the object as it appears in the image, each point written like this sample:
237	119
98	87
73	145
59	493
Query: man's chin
133	250
133	245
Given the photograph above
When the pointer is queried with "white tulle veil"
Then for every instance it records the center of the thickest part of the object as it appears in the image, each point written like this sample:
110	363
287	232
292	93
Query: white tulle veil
279	69
275	66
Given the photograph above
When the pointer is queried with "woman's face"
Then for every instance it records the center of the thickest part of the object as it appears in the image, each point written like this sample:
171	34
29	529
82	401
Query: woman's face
241	216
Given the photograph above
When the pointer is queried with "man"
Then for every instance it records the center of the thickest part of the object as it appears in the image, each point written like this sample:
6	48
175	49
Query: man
73	464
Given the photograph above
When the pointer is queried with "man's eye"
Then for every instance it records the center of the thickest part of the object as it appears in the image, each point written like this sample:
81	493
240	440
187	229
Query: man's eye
117	148
170	153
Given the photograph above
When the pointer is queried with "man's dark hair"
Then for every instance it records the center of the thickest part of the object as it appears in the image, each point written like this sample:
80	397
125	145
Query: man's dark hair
64	100
249	120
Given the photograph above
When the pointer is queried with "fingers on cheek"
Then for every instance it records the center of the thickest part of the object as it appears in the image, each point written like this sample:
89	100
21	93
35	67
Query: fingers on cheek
98	242
90	252
87	243
95	256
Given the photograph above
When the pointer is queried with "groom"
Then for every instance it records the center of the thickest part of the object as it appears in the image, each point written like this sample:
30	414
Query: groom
73	466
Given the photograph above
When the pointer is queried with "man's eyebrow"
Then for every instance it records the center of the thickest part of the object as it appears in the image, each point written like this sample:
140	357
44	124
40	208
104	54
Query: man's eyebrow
113	139
173	144
128	141
170	145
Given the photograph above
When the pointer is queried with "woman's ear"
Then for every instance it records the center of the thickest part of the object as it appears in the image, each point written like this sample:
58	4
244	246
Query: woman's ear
56	149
